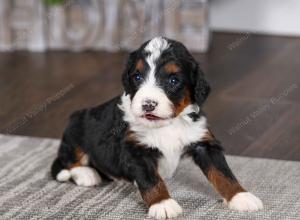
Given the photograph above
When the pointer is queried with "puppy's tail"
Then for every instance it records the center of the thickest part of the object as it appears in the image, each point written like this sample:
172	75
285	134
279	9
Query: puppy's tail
59	172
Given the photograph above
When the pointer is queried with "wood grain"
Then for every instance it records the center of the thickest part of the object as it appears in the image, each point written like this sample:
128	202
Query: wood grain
244	82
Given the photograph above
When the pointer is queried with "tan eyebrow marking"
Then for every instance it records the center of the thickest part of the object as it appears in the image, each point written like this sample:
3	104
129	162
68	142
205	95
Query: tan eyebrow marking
172	68
140	65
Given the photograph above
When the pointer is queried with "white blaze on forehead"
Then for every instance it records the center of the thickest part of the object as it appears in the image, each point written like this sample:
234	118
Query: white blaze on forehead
155	47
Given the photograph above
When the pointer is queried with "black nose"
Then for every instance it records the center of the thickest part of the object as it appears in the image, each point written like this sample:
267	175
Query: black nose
149	105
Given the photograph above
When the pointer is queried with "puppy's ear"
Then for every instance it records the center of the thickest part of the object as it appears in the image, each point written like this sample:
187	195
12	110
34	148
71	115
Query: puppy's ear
126	73
201	88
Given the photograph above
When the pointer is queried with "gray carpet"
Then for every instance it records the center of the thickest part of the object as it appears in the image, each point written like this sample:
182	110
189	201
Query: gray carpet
28	192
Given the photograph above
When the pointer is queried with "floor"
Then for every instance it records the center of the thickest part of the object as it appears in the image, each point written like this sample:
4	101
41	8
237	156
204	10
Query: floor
253	108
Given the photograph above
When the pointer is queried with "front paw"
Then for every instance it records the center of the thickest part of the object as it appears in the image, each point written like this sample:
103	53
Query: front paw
245	201
168	208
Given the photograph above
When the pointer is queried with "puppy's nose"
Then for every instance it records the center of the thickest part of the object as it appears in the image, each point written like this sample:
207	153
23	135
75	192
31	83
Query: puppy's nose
149	105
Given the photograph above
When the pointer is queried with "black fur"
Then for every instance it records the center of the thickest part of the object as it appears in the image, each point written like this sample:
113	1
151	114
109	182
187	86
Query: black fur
198	84
128	84
102	134
201	87
209	154
56	167
191	76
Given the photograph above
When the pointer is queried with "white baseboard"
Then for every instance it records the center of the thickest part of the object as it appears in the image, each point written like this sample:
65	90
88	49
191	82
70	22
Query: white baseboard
279	17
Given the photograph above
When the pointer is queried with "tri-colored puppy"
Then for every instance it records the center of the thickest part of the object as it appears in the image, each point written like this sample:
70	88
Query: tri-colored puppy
141	135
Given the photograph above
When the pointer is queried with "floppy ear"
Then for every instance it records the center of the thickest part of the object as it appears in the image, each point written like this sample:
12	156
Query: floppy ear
201	87
126	73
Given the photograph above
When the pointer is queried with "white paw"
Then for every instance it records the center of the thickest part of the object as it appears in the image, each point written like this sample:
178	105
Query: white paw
245	201
63	176
165	209
85	176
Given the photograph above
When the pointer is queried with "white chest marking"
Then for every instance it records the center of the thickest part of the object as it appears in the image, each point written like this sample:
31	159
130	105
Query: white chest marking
170	139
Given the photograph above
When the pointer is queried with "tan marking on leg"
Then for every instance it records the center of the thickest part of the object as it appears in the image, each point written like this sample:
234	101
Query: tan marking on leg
158	193
225	186
81	158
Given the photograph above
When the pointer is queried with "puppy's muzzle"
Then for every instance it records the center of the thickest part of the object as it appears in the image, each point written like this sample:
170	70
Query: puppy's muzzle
149	105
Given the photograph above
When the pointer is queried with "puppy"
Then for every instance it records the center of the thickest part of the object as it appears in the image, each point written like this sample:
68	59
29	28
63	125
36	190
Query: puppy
141	135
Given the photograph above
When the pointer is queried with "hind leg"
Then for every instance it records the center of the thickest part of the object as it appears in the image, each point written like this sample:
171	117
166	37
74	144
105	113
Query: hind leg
85	176
73	163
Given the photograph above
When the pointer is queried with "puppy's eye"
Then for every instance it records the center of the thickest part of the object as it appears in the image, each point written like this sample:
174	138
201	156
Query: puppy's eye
173	80
137	77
